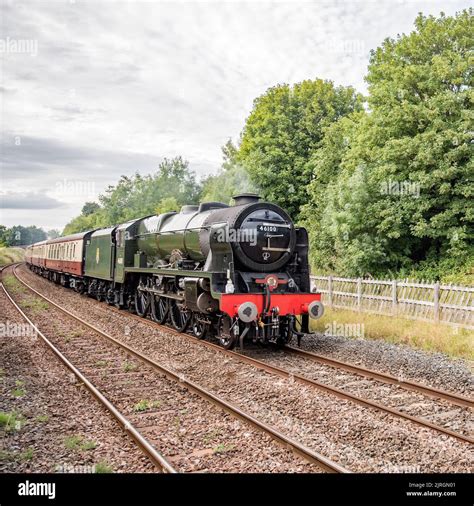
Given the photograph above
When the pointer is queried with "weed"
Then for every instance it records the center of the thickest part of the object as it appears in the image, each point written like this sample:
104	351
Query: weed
13	285
428	336
78	443
145	404
223	448
213	434
34	304
103	468
27	454
11	421
12	456
129	366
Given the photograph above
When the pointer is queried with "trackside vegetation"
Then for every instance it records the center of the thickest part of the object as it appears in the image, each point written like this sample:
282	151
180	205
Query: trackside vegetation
384	183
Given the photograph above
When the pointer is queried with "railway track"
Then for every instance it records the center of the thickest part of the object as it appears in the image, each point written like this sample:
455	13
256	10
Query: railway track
158	460
436	393
303	451
340	393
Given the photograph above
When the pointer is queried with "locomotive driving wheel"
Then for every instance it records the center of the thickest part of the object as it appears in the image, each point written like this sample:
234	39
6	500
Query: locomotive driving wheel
159	309
180	317
141	303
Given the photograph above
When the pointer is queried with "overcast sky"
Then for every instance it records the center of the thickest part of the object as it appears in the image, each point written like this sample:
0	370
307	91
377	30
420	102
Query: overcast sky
93	90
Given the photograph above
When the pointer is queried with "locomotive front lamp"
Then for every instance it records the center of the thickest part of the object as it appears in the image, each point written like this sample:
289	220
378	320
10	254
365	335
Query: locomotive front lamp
315	310
247	312
271	281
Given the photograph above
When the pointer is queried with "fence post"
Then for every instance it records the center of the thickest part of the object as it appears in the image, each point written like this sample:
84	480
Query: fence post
394	297
330	290
436	302
359	294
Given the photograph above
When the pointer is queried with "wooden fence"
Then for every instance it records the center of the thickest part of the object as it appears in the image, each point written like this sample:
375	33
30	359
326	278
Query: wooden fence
419	301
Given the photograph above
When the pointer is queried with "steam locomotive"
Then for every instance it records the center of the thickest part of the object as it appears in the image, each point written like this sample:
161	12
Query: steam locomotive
235	272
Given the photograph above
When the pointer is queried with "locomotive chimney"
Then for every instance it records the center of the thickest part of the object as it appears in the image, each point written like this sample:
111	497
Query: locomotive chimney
245	198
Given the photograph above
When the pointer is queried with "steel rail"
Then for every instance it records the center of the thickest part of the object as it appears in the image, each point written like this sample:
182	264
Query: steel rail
300	449
462	401
158	460
452	397
342	394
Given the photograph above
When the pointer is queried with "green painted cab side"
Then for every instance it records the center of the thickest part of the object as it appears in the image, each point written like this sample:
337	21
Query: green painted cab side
100	256
126	247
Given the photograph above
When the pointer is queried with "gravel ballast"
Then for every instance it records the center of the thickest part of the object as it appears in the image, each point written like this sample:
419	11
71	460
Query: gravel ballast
193	434
58	420
356	437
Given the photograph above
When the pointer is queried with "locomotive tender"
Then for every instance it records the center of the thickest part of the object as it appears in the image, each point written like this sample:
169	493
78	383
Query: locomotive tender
235	272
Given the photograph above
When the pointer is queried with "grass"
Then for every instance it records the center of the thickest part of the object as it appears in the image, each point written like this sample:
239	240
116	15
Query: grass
11	421
12	456
212	435
34	304
223	448
42	418
19	391
145	404
433	337
27	454
101	363
129	366
13	285
78	443
11	255
103	468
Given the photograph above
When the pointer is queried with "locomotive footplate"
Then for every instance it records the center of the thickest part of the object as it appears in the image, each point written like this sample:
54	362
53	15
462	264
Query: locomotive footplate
287	304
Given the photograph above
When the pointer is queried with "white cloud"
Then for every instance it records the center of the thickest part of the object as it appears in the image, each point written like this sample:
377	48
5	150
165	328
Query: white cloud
116	86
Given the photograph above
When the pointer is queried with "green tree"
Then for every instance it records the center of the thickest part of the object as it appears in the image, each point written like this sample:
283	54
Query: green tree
400	195
170	187
166	205
53	233
89	208
3	236
283	131
19	235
